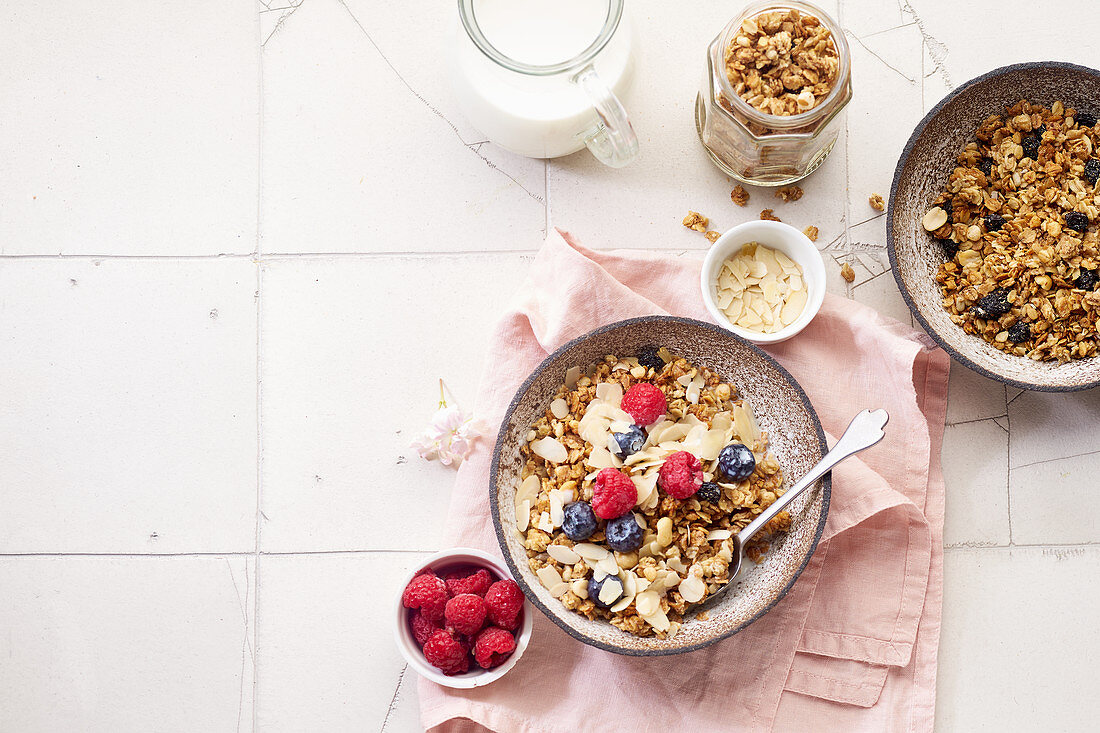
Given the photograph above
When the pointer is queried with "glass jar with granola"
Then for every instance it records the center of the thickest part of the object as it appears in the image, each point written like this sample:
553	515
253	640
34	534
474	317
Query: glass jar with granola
777	78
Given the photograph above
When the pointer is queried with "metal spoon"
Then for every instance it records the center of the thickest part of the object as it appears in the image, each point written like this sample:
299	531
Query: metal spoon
864	431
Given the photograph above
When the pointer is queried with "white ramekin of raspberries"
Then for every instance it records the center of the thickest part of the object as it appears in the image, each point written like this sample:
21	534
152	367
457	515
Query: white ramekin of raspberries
461	619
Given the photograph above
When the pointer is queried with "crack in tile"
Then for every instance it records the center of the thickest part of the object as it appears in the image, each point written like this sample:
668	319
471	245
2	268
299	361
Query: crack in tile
1050	460
937	50
473	147
885	63
287	12
873	277
887	30
394	699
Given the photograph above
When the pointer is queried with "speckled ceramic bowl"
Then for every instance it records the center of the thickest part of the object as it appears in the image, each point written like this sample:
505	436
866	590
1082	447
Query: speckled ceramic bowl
925	164
781	408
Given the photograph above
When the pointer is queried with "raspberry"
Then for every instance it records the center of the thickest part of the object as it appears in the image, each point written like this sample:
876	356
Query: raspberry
466	613
444	651
505	602
645	402
493	646
681	475
461	668
428	593
478	583
423	628
614	494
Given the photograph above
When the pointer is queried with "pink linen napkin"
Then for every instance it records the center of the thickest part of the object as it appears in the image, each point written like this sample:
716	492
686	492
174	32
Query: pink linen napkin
852	646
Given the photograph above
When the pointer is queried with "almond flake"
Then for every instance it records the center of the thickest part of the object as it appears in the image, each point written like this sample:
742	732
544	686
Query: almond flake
563	554
523	516
559	408
550	449
549	576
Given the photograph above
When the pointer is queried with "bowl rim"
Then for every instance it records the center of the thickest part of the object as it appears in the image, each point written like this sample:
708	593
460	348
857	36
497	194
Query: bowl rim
813	272
499	445
890	244
415	657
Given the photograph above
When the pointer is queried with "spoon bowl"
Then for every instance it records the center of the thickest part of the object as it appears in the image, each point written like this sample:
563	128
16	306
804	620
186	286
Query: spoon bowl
863	431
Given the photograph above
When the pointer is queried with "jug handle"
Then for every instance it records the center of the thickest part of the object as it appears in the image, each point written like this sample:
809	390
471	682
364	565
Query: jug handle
613	141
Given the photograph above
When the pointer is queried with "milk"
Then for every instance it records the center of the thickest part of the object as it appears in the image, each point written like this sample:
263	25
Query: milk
538	116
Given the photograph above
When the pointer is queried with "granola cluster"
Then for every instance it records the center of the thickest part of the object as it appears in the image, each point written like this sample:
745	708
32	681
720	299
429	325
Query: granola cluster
782	62
685	549
1017	220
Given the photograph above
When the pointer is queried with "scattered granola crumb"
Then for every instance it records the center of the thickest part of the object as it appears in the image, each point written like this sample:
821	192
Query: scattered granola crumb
702	616
739	195
712	236
877	202
847	273
789	193
695	220
811	232
769	215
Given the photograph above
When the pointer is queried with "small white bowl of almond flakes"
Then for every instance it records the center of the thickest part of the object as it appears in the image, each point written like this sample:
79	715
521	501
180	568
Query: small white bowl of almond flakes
763	280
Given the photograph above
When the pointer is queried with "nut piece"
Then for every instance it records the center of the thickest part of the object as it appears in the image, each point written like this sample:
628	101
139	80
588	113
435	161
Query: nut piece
811	233
695	220
847	273
769	215
739	195
934	219
877	202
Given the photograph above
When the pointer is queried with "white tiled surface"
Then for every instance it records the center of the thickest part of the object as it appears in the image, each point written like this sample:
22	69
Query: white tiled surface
232	233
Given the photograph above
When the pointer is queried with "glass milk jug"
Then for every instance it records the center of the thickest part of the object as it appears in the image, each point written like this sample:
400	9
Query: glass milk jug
543	78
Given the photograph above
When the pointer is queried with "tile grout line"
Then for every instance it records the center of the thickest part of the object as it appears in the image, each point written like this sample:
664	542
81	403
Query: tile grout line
259	392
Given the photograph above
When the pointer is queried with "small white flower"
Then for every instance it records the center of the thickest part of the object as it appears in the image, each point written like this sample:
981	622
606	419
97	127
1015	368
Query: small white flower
450	436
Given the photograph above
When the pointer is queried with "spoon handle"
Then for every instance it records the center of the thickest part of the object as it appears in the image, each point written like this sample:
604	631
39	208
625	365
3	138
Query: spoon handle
864	431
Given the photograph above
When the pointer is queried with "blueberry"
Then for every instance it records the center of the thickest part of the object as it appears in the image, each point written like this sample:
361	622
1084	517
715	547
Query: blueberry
1030	144
709	491
623	534
629	442
1087	280
647	357
1039	131
1077	221
994	222
1092	171
1084	119
1020	331
993	305
950	248
736	462
580	522
595	586
985	165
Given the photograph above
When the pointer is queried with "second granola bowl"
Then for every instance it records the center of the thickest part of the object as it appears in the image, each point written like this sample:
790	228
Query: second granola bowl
782	410
922	171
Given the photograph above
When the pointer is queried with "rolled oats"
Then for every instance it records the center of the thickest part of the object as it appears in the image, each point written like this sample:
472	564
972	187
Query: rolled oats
811	233
769	215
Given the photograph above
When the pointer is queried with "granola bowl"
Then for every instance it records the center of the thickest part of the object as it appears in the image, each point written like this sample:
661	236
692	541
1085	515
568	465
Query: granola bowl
1043	336
718	390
